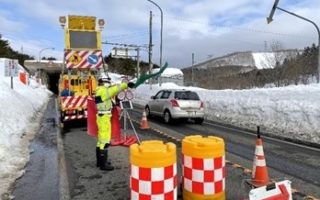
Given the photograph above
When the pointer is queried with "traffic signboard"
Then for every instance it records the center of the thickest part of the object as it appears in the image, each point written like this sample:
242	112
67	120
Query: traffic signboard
93	59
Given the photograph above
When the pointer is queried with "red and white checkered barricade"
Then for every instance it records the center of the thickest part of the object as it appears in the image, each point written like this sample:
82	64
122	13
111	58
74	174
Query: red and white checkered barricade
153	171
154	183
203	168
204	176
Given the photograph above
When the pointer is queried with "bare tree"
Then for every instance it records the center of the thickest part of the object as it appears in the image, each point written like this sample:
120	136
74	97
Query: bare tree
276	58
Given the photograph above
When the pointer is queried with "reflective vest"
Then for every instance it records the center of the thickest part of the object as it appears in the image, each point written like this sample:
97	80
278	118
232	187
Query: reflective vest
104	95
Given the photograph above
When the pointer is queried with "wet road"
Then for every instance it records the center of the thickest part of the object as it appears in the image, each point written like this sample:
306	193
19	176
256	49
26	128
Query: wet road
40	180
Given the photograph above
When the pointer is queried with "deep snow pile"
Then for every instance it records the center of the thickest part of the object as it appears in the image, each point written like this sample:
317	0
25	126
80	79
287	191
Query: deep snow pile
291	112
20	112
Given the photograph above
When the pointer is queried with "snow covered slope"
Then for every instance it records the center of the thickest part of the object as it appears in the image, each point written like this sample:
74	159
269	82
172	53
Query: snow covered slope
20	109
291	112
259	60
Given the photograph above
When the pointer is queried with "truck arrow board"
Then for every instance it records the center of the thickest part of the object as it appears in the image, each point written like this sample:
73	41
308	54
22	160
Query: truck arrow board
274	7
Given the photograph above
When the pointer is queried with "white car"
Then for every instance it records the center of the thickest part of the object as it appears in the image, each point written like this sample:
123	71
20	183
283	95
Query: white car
173	104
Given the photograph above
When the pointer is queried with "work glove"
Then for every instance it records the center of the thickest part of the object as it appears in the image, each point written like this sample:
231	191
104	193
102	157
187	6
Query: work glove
131	85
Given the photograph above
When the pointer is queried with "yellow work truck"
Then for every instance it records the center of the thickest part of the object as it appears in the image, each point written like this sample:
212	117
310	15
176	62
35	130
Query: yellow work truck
83	62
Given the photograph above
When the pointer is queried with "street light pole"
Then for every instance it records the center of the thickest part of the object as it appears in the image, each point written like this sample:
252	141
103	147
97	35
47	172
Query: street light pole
52	48
192	72
269	20
39	70
161	30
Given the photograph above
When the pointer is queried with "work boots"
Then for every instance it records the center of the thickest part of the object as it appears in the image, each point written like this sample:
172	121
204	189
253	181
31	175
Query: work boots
104	165
98	158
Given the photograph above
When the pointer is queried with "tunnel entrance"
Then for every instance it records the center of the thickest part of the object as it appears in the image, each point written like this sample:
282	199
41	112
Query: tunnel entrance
53	82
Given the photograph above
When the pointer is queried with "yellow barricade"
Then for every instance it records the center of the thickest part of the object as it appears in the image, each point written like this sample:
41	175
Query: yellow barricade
153	170
203	168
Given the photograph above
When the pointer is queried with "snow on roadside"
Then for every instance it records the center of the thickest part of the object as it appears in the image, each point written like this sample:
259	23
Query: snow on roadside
291	112
20	115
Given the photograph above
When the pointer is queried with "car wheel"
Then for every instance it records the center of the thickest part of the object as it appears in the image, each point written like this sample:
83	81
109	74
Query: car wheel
198	120
167	117
148	112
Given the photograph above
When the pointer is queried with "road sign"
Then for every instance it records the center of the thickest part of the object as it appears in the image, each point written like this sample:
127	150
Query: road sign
93	59
75	59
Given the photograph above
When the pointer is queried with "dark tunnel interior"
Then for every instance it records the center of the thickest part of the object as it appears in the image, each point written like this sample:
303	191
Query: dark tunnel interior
53	82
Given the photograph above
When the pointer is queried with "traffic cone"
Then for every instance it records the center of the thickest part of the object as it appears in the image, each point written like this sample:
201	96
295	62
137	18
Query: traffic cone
144	122
259	172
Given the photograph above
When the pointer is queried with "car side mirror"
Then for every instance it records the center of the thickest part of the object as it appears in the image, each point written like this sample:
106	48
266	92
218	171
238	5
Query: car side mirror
153	97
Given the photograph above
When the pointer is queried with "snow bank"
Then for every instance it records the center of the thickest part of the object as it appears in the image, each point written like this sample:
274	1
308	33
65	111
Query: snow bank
292	112
169	72
18	125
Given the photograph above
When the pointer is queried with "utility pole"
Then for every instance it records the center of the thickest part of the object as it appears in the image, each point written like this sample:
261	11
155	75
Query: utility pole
154	3
138	62
265	46
192	73
131	47
150	46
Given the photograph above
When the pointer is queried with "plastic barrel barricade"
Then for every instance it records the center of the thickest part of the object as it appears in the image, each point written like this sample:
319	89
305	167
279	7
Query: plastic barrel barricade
203	168
153	171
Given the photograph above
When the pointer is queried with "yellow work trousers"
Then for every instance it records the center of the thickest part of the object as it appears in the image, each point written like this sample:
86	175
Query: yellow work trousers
104	130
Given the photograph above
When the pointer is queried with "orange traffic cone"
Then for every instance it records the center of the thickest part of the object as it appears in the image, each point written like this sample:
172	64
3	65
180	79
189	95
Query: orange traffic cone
259	172
144	122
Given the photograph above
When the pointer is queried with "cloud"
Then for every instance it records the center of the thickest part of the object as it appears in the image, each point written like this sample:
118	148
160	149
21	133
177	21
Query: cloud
203	27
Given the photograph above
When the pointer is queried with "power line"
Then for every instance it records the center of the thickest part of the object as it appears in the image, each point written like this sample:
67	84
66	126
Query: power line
128	34
238	28
128	38
126	45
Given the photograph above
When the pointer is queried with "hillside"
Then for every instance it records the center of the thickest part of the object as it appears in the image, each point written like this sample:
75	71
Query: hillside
243	70
258	60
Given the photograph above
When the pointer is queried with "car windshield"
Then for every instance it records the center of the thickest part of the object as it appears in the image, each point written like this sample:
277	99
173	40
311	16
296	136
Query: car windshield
186	95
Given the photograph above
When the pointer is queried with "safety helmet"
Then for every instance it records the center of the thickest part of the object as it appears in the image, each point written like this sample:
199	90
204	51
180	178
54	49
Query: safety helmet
104	80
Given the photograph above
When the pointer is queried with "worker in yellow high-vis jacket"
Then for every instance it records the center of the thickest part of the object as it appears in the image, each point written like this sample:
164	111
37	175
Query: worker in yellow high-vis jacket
104	94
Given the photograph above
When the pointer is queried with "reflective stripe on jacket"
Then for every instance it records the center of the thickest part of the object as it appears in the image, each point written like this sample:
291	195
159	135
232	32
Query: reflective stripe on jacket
106	93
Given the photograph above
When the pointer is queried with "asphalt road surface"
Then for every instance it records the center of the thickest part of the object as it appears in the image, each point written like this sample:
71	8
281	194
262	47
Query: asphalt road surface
296	163
88	182
284	160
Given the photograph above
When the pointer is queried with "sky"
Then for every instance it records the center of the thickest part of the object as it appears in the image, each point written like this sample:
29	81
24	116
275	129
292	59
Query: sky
291	112
206	28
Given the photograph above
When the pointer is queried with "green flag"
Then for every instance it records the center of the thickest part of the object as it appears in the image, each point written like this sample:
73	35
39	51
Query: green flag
145	77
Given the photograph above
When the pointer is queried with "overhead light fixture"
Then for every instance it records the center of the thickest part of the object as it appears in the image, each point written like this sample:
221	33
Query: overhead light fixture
62	20
101	23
